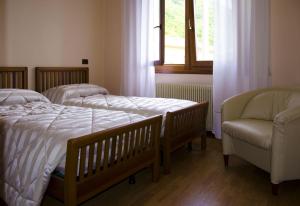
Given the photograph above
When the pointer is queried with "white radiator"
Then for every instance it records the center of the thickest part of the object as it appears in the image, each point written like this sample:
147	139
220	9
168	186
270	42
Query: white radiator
193	92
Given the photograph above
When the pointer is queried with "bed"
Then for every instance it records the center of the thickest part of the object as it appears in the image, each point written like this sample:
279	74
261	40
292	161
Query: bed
93	148
183	120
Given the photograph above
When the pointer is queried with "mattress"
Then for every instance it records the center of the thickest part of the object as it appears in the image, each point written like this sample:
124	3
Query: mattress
33	143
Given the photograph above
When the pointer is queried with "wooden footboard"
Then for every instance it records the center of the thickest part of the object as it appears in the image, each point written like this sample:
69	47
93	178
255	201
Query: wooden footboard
182	127
100	160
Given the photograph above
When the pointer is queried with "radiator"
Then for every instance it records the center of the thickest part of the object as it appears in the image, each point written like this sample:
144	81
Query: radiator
193	92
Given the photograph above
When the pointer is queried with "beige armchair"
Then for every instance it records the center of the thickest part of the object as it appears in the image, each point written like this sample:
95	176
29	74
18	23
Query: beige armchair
263	127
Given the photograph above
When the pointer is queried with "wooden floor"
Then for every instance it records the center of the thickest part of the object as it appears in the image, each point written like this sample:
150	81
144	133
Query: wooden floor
200	179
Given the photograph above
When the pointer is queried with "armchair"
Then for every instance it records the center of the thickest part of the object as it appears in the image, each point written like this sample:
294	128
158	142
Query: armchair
263	128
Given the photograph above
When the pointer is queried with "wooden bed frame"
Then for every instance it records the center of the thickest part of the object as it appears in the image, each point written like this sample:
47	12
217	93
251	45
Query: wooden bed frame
121	152
14	77
48	77
181	127
97	161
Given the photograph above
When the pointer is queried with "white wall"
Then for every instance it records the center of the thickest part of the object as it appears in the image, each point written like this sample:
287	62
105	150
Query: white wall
52	33
113	44
285	42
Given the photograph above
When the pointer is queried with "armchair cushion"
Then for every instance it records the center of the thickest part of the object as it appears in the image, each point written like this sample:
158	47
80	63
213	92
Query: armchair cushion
294	101
267	105
252	131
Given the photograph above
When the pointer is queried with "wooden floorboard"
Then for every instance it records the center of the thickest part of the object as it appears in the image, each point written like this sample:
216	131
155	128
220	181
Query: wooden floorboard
200	179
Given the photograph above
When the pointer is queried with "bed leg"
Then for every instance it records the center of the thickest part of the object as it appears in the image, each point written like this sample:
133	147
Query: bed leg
226	160
167	162
203	142
275	189
155	172
131	180
161	158
190	146
4	204
71	198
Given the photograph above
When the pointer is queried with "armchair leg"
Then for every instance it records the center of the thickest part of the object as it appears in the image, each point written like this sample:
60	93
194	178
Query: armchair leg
131	180
190	146
155	172
275	188
226	160
203	142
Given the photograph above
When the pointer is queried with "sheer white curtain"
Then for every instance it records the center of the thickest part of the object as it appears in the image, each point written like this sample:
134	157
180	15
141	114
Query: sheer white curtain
138	75
241	60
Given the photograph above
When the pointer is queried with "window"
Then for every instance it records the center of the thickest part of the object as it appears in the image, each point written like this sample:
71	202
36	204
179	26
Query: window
185	35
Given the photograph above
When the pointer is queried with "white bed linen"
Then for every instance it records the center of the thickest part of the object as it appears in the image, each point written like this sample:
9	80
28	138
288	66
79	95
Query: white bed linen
33	139
145	106
20	96
61	93
85	95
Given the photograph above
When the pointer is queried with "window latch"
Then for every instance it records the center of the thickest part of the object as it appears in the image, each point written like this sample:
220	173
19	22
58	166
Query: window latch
159	26
190	25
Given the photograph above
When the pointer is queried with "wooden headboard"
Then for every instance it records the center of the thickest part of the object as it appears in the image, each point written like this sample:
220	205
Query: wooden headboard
14	77
48	77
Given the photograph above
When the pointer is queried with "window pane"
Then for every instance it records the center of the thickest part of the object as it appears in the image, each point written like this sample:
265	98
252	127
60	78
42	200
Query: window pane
204	29
174	31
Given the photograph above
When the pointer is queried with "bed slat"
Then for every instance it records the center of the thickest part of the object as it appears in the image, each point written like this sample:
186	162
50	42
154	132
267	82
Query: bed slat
141	140
126	143
99	155
82	163
133	142
106	154
120	146
91	159
113	151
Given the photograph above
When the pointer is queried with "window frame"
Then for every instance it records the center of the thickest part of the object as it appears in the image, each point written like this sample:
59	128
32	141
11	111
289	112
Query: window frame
191	66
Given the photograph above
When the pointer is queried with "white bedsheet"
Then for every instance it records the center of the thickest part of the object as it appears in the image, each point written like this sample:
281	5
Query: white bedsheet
33	139
140	105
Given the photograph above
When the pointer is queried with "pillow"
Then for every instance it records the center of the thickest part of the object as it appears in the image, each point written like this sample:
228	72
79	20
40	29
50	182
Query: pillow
60	94
20	96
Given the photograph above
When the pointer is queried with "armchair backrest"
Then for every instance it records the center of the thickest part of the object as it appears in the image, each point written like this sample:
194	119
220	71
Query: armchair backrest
267	104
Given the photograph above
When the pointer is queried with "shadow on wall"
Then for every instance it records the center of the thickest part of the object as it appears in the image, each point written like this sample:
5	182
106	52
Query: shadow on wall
1	165
2	63
2	34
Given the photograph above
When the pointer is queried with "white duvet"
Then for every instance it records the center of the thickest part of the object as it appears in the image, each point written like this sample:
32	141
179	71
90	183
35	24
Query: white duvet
33	139
140	105
93	96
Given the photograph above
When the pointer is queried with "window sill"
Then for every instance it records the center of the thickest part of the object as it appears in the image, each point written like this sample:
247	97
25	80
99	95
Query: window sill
182	69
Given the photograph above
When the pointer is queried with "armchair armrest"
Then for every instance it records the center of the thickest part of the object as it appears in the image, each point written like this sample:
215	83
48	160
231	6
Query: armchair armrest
233	107
287	116
285	146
